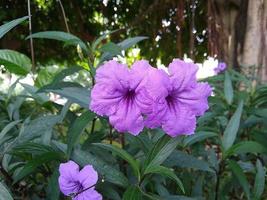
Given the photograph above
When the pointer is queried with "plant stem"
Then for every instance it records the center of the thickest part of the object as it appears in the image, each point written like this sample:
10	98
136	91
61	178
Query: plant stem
93	125
31	40
64	16
218	177
110	134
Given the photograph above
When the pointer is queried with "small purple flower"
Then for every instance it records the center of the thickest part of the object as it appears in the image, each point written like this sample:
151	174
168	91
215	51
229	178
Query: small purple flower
78	184
178	98
220	68
119	94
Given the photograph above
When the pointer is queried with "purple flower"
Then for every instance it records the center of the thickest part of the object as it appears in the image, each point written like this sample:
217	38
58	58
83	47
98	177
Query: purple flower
177	98
119	94
82	183
220	68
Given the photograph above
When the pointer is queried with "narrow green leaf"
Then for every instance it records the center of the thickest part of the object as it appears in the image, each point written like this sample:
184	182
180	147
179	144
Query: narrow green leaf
109	173
15	62
132	193
198	137
9	25
127	43
60	36
4	193
72	91
245	147
238	172
65	72
37	127
7	128
124	155
77	129
111	48
32	148
33	164
41	98
164	171
184	160
259	180
231	130
101	38
228	88
160	152
53	187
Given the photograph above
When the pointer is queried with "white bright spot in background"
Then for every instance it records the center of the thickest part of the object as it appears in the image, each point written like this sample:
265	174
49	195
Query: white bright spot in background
105	2
157	38
165	23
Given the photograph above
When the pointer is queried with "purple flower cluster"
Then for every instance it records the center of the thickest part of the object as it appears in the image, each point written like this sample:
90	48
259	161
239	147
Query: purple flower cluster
142	96
80	185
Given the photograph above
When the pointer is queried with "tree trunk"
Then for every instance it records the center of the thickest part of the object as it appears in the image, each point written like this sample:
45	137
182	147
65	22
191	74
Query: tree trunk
254	54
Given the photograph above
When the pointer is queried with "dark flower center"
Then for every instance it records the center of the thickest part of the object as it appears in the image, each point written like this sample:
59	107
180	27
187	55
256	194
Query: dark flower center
129	95
170	99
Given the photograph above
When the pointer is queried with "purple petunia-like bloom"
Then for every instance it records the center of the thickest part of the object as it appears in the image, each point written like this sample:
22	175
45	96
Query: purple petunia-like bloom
78	184
177	98
119	94
220	68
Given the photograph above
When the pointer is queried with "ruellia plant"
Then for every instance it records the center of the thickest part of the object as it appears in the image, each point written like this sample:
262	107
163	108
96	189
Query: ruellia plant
100	129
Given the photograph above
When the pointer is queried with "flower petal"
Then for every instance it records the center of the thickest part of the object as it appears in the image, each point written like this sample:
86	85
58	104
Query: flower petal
158	84
113	74
196	98
182	123
182	74
87	176
139	72
68	177
90	194
104	100
112	80
128	117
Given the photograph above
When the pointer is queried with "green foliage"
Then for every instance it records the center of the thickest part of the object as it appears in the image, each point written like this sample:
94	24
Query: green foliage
224	159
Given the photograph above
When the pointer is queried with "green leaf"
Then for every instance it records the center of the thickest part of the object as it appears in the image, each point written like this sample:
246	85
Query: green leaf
53	187
15	62
238	172
160	152
32	148
111	48
72	91
7	128
39	97
198	137
101	38
4	193
9	25
109	173
132	193
60	36
65	72
231	130
77	129
164	171
184	160
33	164
228	88
259	181
37	127
124	155
245	147
127	43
